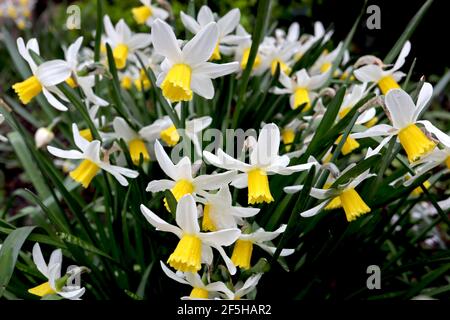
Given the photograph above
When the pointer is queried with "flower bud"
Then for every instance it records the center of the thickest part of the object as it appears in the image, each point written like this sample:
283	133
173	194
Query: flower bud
43	136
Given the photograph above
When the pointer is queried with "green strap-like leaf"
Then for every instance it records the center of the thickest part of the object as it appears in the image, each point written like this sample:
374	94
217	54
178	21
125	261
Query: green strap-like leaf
9	253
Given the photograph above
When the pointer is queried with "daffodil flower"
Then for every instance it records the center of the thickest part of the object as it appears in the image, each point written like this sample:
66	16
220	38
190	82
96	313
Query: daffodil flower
226	25
163	129
148	13
289	131
199	289
194	247
386	79
404	114
219	212
350	100
301	87
182	181
91	164
86	83
44	79
274	54
52	271
186	71
264	160
134	140
324	63
242	289
123	42
344	196
242	52
243	248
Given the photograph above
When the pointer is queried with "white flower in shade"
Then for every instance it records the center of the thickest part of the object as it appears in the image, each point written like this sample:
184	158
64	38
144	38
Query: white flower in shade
264	160
182	181
242	289
123	42
91	164
301	87
325	61
337	196
86	83
386	79
219	212
243	248
274	53
225	25
350	100
404	115
186	71
44	79
242	52
289	132
52	271
165	130
148	13
292	35
199	289
134	140
43	136
320	32
194	247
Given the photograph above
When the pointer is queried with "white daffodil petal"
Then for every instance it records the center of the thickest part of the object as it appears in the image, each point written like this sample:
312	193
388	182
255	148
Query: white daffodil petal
65	154
164	41
221	238
202	85
172	275
187	216
51	73
160	185
53	101
401	108
39	260
159	223
229	22
215	70
200	48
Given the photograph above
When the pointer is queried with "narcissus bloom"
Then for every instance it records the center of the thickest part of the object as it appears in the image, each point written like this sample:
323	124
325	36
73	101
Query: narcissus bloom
199	289
225	25
242	289
182	181
194	247
264	160
44	79
85	82
325	61
386	79
133	139
91	164
350	100
123	42
186	71
344	196
219	212
301	87
243	248
55	284
274	54
148	13
404	116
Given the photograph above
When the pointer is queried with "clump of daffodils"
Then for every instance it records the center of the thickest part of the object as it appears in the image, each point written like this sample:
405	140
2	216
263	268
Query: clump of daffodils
150	181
